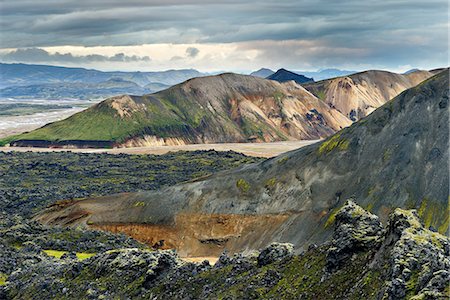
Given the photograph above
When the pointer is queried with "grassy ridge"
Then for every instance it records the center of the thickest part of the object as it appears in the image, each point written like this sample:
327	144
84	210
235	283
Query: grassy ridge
102	122
192	113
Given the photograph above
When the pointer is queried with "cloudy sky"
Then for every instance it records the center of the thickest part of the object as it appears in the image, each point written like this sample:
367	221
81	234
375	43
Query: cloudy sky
232	35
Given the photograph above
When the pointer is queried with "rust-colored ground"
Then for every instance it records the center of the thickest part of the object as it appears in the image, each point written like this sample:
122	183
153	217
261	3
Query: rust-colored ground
203	235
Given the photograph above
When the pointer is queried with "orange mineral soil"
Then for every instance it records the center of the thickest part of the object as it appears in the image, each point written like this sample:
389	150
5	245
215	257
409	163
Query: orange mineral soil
203	235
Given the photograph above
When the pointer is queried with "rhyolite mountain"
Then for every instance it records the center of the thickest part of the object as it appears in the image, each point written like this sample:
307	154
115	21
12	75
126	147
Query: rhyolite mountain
262	73
283	75
359	94
213	109
395	157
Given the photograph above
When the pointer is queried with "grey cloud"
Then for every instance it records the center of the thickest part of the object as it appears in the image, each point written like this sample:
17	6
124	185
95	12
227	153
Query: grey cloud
192	52
102	22
176	58
40	55
388	30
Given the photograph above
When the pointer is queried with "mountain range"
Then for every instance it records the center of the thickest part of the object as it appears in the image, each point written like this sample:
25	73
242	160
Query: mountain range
53	82
326	73
214	109
225	108
395	157
316	75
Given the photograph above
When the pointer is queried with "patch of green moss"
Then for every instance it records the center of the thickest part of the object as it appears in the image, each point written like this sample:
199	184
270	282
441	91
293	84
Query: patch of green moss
58	254
369	207
411	285
335	142
242	185
372	283
282	160
139	204
3	278
278	96
387	154
331	217
7	140
434	214
270	183
321	94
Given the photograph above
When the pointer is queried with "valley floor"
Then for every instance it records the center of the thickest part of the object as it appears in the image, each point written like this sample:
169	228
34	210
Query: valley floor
251	149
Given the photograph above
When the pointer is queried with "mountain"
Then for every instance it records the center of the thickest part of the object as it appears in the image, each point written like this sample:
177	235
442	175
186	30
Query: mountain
214	109
155	87
326	73
359	94
262	73
26	75
395	157
283	75
411	71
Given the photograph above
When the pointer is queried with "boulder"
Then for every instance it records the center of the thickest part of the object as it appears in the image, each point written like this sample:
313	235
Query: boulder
355	230
275	252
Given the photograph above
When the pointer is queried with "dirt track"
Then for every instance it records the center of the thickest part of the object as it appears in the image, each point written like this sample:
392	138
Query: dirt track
252	149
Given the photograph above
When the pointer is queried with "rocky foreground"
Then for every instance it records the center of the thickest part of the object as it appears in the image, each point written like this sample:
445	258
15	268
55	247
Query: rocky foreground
363	260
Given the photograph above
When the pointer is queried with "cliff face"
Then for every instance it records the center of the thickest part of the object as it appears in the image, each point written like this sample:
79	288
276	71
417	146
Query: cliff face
359	94
396	157
215	109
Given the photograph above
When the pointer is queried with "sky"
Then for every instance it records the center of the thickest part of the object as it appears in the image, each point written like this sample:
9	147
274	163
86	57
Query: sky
226	35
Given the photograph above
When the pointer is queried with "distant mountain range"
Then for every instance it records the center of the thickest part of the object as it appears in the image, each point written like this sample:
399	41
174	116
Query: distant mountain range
213	109
326	73
317	75
41	81
225	108
283	75
79	90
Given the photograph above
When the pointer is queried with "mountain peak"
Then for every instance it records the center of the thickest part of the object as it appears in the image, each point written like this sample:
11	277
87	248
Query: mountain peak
263	73
283	75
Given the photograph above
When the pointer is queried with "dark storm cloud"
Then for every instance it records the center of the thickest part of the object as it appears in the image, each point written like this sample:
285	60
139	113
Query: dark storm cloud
40	55
387	30
192	52
63	22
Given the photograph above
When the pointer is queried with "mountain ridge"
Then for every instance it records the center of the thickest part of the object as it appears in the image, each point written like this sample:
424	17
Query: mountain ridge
357	95
223	108
17	73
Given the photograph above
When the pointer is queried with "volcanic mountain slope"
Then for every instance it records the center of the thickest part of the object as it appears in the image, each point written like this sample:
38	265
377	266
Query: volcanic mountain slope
283	75
359	94
396	157
223	108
